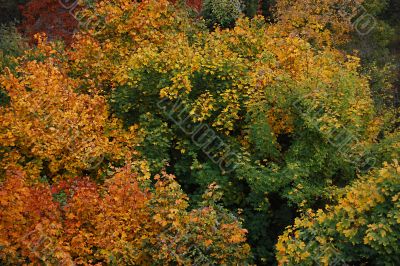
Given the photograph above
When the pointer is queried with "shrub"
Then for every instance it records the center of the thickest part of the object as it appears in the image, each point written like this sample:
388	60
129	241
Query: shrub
222	12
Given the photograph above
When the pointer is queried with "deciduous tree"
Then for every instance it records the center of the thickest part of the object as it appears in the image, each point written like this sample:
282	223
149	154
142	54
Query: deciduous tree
362	226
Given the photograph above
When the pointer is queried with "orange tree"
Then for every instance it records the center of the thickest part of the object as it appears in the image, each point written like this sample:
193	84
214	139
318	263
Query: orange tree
126	221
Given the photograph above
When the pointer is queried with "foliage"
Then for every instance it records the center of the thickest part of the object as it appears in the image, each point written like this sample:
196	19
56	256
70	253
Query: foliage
378	58
12	45
50	129
25	212
50	17
126	222
281	118
275	102
323	22
222	12
362	226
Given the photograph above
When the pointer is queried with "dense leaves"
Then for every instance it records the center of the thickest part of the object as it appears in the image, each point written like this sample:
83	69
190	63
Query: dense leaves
49	128
274	101
269	120
126	221
49	16
362	226
324	22
223	13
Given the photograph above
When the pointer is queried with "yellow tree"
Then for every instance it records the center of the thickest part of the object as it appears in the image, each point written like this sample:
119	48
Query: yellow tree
49	127
362	225
323	22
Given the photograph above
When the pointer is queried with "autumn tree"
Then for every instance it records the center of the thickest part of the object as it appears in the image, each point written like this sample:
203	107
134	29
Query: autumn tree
48	128
50	17
30	221
51	212
323	22
126	221
363	225
277	116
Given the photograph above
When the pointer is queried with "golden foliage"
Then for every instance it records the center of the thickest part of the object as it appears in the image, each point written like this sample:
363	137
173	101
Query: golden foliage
47	124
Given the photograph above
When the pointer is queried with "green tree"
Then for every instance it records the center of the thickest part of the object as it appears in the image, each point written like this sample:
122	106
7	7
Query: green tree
222	12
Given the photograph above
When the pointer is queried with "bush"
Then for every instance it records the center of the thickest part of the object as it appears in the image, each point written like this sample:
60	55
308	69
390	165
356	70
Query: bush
222	12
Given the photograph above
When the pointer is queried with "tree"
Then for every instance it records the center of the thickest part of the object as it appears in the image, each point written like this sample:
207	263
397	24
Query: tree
323	22
30	221
50	17
363	225
277	116
48	128
125	221
223	13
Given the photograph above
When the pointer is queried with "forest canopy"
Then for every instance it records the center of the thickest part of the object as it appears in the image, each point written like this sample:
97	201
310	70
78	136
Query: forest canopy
200	132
